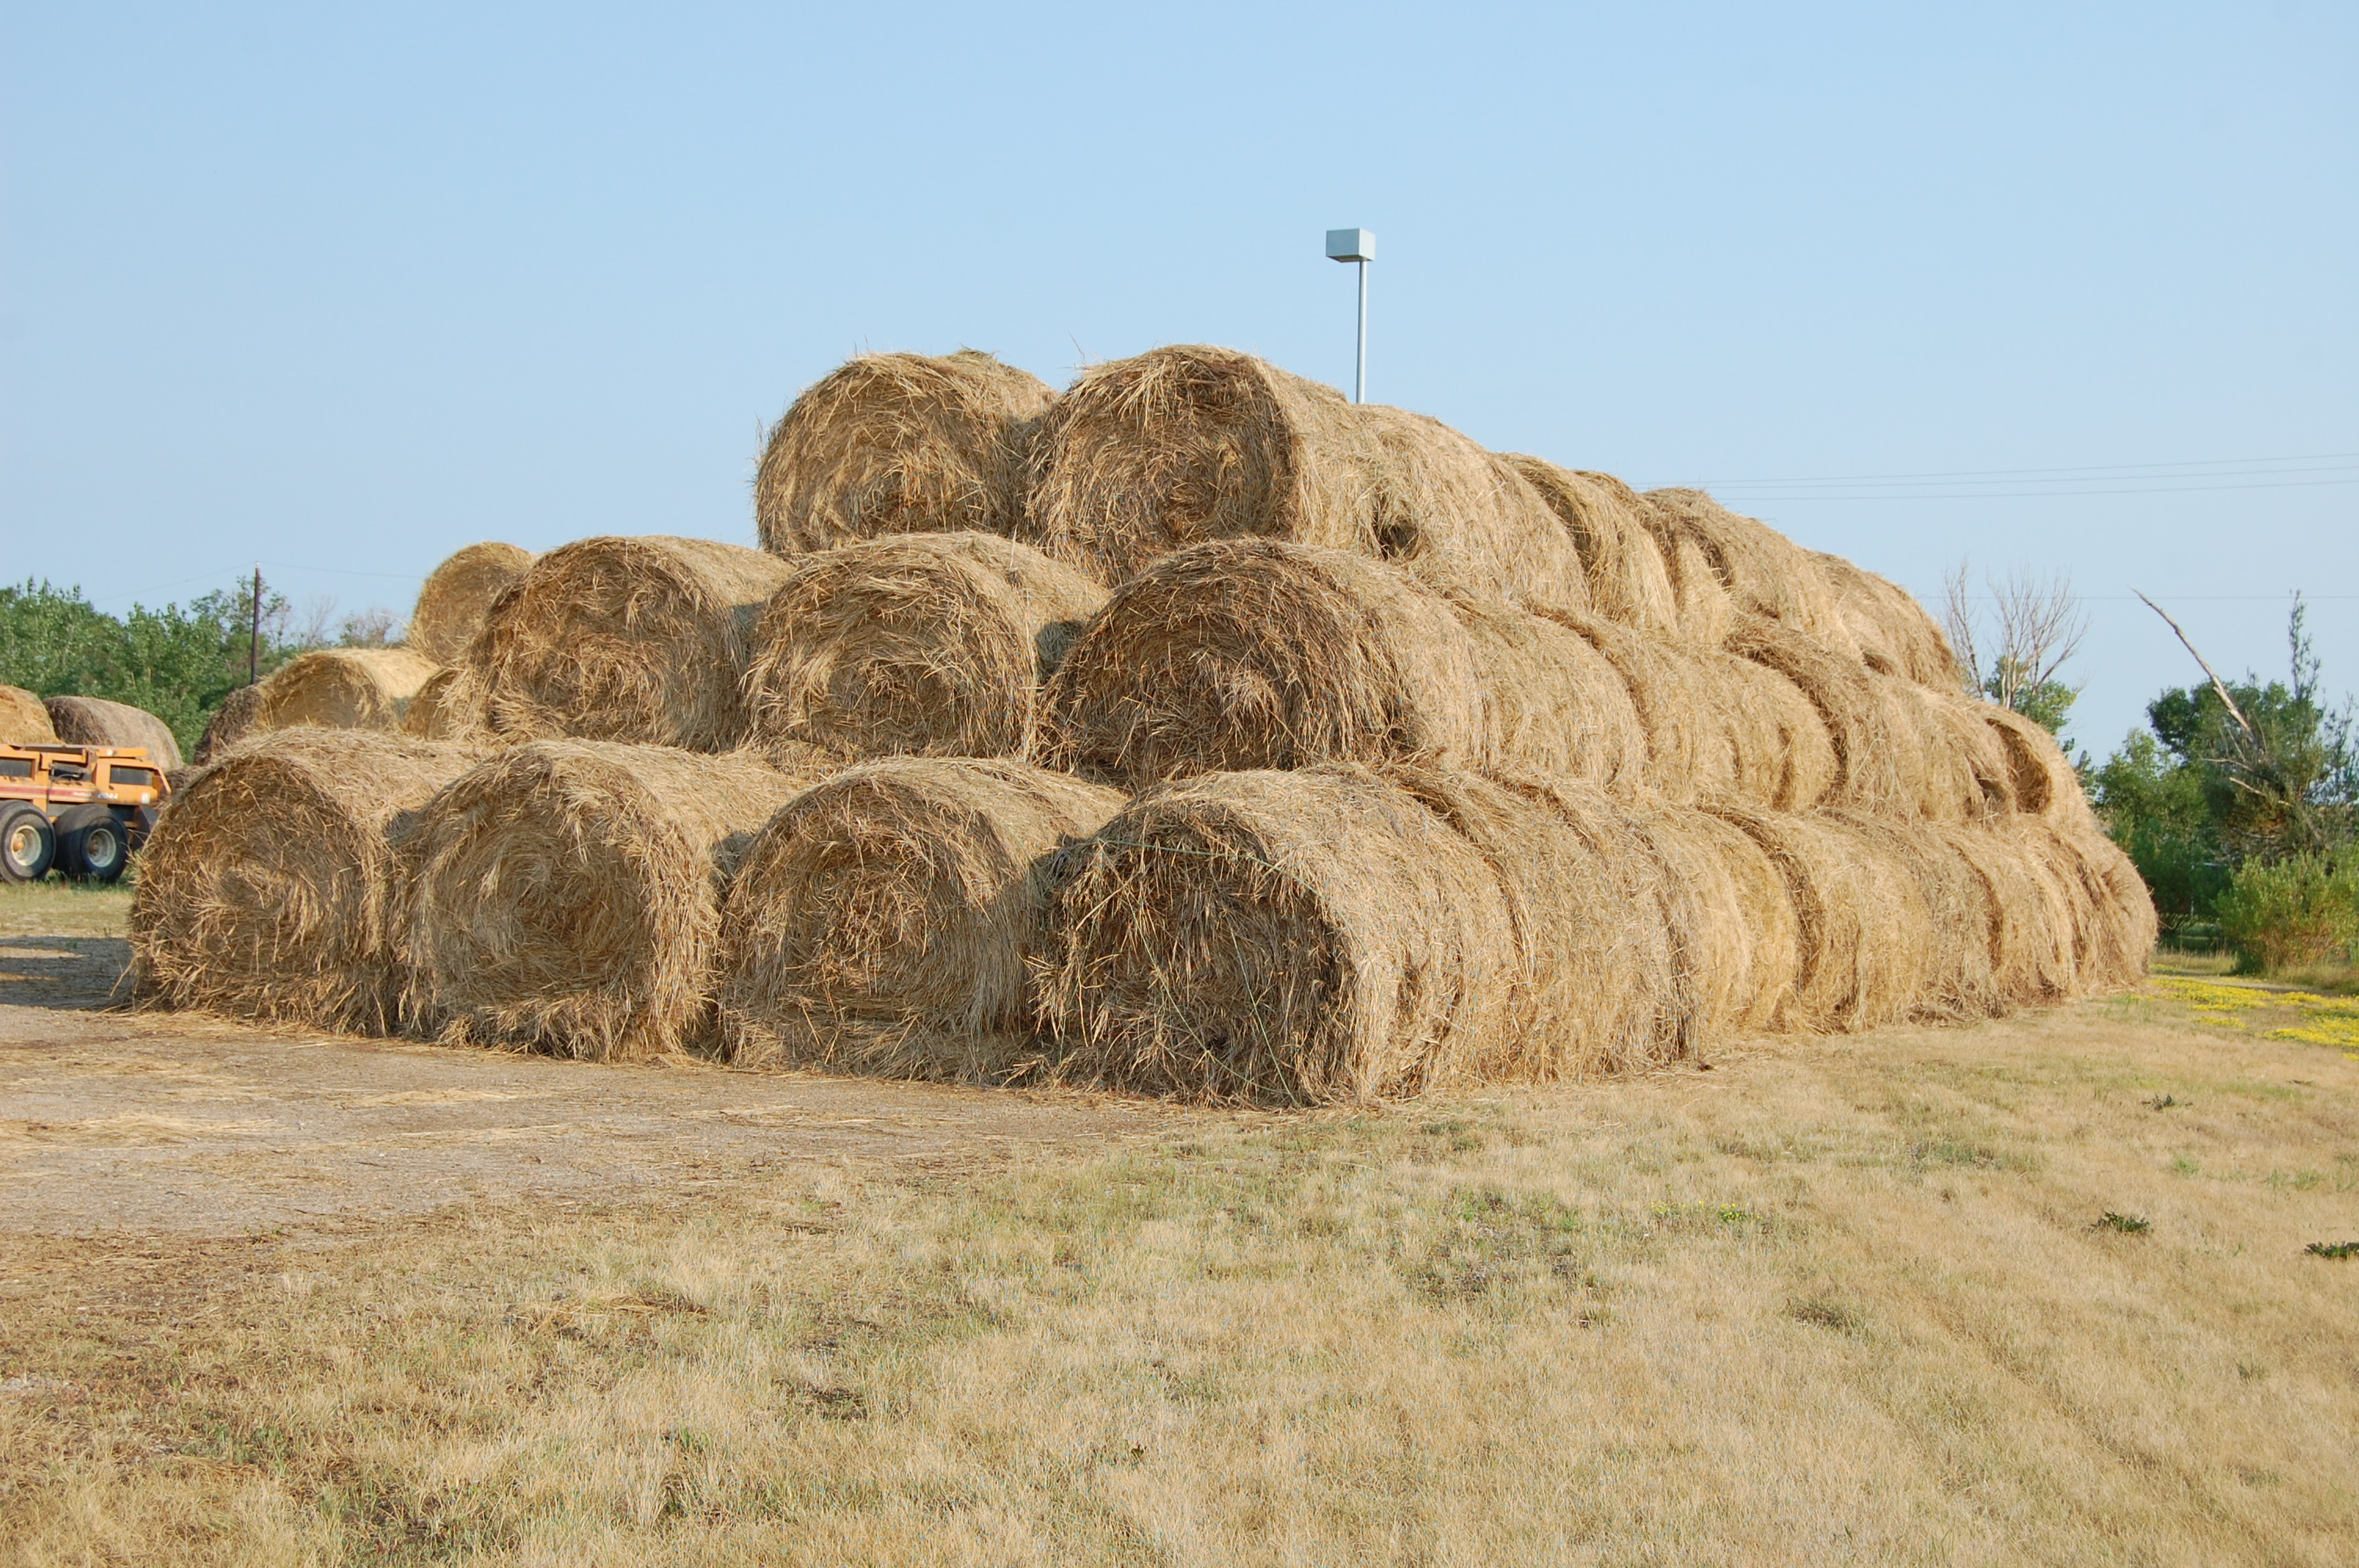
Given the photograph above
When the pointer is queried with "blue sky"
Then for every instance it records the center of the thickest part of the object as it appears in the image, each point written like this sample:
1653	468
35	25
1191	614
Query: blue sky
340	289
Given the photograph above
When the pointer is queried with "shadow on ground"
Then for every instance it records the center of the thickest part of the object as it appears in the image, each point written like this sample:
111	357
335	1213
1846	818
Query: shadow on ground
76	972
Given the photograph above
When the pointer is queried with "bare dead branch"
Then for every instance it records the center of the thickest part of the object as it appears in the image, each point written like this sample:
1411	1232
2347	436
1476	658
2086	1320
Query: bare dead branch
2217	684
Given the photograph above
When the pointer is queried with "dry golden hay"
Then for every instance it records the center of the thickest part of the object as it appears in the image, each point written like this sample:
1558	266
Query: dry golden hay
1865	935
1736	947
2042	780
459	594
342	688
1950	764
1460	518
1960	980
1869	768
889	920
1183	444
1292	937
1764	572
899	444
1599	981
231	722
1712	725
2031	915
932	644
642	640
94	721
1894	633
2113	916
1260	653
565	895
1627	583
448	707
23	720
270	888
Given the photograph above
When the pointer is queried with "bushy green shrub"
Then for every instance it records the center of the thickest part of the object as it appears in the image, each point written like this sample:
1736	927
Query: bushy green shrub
2299	910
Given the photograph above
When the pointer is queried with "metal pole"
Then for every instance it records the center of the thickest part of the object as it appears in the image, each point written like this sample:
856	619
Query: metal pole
1360	362
254	639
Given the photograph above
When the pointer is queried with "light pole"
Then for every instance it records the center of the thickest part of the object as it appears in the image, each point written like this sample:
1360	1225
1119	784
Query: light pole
1356	245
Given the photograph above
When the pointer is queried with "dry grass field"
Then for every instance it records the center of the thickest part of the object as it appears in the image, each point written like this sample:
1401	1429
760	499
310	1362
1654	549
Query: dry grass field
2032	1291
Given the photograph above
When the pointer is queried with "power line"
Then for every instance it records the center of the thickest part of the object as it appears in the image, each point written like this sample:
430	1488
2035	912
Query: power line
2093	469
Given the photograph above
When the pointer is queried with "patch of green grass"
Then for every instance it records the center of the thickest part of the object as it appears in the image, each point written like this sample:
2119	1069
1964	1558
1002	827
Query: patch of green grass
2333	1249
2128	1224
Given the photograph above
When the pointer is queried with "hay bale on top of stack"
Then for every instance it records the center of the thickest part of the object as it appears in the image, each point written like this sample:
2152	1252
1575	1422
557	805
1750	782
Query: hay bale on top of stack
927	645
95	721
642	640
459	594
23	720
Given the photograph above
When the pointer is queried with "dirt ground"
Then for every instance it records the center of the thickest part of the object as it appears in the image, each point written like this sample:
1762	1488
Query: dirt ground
126	1124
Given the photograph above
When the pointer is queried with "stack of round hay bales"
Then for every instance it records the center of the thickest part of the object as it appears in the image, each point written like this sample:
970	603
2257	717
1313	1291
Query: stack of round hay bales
269	889
342	688
565	895
642	640
927	645
899	444
23	720
459	594
889	920
95	721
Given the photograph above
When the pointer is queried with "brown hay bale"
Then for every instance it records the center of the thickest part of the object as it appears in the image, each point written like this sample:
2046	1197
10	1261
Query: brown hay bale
2042	780
1766	573
1597	983
931	645
1705	610
2113	918
458	595
1868	766
268	889
94	721
888	921
566	895
1988	789
1627	583
1259	653
1147	455
1950	764
1712	725
448	707
1895	633
23	720
231	722
899	444
1958	981
1864	933
1297	937
2030	915
641	640
342	688
1458	517
1736	945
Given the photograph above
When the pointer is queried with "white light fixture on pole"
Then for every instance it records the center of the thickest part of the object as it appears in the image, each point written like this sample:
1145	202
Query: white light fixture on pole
1356	245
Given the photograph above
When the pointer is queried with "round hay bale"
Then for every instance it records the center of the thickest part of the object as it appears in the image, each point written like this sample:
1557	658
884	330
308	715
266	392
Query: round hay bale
94	721
2031	917
899	444
2042	780
23	720
888	920
268	889
1766	573
641	640
1290	937
448	707
458	595
1868	765
238	716
1960	981
1895	633
342	688
1596	983
1978	747
1864	934
1736	946
1627	583
927	645
1147	455
2113	918
1949	765
1458	517
1258	654
565	895
1780	752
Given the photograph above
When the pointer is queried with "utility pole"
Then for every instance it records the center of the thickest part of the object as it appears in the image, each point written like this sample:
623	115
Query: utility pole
254	637
1356	245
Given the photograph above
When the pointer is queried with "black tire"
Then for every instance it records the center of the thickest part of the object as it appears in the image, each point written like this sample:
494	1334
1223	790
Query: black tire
94	844
28	843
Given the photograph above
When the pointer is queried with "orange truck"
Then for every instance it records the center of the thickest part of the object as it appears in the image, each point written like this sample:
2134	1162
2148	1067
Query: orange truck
82	810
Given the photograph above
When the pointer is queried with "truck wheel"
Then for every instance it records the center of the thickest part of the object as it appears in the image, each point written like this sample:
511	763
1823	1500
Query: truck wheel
93	844
28	843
